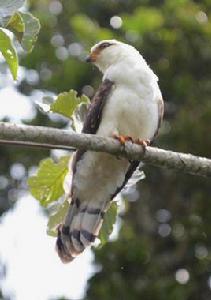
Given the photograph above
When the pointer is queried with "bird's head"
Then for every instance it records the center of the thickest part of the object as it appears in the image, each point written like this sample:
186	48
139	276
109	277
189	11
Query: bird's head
108	52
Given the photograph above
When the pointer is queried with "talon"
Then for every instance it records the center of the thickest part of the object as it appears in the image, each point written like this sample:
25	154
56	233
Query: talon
143	143
129	138
122	139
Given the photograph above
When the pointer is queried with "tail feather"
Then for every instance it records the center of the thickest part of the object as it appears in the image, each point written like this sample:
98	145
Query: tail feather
91	222
81	227
74	230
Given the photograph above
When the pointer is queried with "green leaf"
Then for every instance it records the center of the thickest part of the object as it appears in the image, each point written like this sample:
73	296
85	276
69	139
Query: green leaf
8	8
9	53
57	218
16	24
31	31
26	29
47	185
108	223
67	102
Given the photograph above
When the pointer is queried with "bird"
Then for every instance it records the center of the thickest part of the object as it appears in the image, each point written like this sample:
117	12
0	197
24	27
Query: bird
127	106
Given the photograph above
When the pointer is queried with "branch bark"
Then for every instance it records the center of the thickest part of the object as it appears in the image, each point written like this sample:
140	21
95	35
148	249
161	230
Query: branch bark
38	136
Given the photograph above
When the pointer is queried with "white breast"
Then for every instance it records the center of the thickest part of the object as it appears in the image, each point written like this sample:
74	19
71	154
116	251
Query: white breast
127	113
132	107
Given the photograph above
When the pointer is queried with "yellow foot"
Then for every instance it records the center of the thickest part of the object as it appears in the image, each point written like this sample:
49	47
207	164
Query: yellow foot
143	143
122	139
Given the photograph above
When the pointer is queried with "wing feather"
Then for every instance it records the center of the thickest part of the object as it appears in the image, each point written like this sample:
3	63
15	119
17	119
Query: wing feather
94	114
160	104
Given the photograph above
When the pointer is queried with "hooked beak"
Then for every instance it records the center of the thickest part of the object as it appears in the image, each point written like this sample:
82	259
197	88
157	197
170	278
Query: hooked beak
91	57
88	58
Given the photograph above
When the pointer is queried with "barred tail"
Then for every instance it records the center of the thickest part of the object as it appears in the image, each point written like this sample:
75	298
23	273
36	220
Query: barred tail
81	227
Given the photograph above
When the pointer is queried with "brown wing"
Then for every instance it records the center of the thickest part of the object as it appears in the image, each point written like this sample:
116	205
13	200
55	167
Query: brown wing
133	165
94	114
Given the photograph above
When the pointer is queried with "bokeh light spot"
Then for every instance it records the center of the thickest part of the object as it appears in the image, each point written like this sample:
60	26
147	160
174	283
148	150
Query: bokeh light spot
163	215
164	230
55	7
182	276
57	40
17	171
116	22
62	53
88	91
75	49
201	17
201	251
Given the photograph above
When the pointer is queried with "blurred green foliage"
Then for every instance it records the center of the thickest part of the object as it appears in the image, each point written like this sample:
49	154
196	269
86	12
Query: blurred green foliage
108	223
164	246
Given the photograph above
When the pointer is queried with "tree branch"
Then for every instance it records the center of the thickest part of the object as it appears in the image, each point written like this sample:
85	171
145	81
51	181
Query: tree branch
37	136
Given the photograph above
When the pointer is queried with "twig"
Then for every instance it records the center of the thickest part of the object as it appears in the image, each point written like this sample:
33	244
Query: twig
36	145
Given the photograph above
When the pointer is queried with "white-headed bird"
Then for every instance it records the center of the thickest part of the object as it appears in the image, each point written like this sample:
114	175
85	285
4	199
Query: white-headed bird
127	105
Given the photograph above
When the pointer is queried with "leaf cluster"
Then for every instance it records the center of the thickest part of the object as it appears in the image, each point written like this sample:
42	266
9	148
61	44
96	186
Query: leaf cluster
23	25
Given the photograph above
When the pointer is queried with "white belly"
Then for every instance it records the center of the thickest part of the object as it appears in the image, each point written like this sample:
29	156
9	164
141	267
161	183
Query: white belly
128	114
98	175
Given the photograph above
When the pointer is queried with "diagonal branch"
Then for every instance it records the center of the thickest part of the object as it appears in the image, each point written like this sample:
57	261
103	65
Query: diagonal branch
37	136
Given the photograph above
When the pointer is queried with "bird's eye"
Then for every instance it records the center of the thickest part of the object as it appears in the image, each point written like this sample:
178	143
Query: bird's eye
104	45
